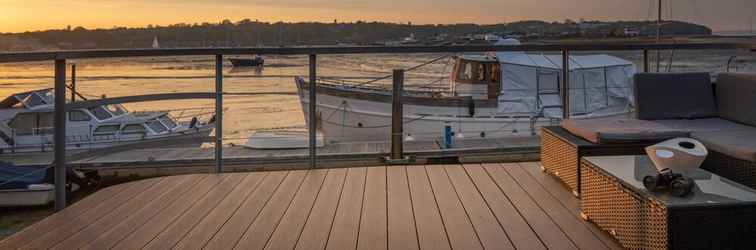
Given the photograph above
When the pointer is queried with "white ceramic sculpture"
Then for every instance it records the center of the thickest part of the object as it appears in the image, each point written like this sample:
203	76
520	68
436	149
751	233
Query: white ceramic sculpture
679	155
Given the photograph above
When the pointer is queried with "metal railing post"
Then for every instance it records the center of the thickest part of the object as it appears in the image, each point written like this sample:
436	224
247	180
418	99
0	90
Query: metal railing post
565	91
645	61
60	134
219	113
73	82
397	133
312	108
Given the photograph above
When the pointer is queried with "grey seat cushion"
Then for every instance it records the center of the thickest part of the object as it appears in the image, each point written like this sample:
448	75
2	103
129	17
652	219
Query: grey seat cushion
703	125
674	96
620	130
736	97
739	144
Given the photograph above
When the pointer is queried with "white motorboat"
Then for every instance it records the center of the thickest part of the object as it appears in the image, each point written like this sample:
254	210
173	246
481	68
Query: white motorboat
26	125
491	95
32	185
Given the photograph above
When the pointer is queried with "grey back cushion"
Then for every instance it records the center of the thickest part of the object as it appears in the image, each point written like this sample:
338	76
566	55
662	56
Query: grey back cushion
674	96
736	97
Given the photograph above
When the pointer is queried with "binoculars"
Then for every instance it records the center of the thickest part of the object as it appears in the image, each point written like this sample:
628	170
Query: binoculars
678	185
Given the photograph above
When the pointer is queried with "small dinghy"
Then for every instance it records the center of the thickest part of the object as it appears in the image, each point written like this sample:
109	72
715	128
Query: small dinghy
247	62
32	185
282	140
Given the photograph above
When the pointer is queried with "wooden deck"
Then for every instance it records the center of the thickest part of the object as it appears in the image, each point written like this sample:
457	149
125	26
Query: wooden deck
489	206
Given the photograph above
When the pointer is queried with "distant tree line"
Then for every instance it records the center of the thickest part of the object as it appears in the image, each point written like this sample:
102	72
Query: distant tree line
254	33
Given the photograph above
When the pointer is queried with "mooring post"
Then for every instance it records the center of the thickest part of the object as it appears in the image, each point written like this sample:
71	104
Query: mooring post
73	82
565	91
219	113
397	133
313	128
645	61
60	134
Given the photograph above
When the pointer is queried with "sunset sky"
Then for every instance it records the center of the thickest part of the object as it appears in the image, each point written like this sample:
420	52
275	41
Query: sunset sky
24	15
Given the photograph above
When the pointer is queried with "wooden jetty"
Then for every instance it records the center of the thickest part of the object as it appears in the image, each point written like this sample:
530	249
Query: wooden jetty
470	206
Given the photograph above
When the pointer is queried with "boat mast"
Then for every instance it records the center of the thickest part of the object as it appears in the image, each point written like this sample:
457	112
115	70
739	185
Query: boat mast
658	35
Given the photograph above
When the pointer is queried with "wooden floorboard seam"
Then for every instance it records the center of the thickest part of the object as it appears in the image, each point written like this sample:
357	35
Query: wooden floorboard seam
282	215
312	206
540	204
412	206
362	209
433	193
309	211
464	208
237	208
338	203
485	203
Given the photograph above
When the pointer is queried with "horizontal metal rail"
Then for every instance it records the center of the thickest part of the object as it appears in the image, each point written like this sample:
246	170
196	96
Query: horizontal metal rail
311	50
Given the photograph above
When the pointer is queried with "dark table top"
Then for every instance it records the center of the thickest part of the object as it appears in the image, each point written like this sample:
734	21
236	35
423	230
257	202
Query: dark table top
710	189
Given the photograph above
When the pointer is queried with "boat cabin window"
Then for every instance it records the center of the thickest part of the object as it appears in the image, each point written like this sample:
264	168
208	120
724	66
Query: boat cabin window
32	123
133	129
100	113
107	129
480	72
167	121
79	116
116	110
465	71
156	126
476	72
34	100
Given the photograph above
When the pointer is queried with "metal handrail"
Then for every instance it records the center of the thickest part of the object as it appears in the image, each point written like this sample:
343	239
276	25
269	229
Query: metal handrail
313	50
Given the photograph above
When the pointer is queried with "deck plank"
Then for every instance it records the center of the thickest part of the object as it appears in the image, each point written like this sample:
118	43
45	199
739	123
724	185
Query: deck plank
181	226
564	196
570	224
290	228
144	234
112	235
123	212
460	230
518	230
259	232
373	233
230	233
63	218
209	226
346	223
431	233
56	235
489	231
401	222
548	231
318	225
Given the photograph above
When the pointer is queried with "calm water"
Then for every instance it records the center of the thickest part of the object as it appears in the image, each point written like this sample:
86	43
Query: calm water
246	114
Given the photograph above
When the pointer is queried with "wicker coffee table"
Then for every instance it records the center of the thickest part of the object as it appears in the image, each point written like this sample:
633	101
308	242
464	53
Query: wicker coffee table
719	214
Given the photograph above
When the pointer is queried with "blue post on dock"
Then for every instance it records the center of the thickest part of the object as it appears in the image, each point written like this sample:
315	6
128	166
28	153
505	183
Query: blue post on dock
448	135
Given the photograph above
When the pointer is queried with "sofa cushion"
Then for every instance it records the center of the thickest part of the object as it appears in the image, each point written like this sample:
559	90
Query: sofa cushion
674	96
739	144
620	130
703	125
736	97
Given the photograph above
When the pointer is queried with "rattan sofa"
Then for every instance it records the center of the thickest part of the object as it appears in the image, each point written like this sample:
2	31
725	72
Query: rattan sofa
722	116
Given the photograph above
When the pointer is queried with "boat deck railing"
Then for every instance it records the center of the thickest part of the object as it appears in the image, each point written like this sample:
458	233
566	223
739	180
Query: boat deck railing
396	156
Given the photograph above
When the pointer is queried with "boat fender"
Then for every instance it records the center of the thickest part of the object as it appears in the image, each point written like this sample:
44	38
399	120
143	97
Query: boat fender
193	123
470	106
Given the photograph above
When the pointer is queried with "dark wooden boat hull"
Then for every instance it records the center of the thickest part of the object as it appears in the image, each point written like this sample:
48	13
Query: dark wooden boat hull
241	62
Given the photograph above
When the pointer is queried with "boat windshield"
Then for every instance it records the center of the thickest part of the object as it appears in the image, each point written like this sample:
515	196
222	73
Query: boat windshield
100	113
167	121
156	126
34	100
116	110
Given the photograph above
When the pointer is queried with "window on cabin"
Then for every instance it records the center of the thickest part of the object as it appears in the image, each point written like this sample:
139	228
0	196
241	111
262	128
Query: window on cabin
24	123
116	110
34	100
156	126
100	113
133	129
106	130
495	72
465	71
480	72
167	121
78	116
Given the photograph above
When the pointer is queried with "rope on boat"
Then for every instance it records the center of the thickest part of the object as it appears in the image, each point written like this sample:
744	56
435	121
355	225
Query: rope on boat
408	69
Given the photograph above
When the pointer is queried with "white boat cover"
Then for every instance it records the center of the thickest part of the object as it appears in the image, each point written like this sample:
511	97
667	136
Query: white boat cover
530	83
